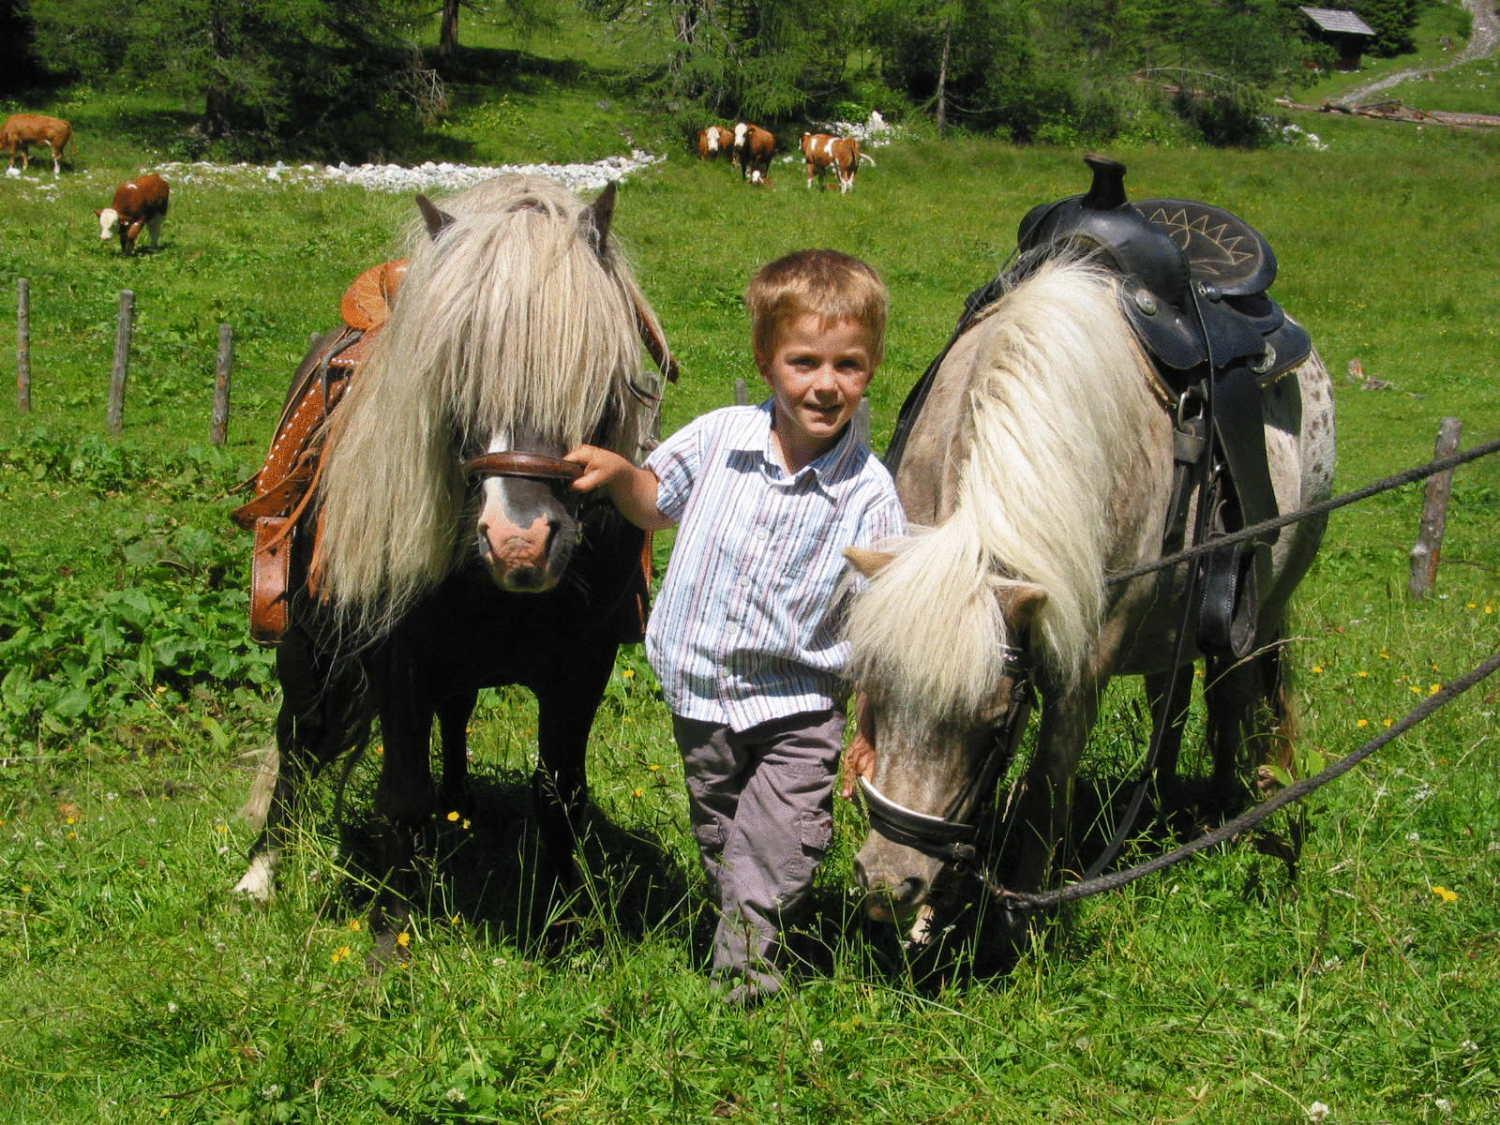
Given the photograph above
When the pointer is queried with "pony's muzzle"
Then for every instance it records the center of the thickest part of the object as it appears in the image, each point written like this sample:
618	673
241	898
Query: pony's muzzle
889	898
519	558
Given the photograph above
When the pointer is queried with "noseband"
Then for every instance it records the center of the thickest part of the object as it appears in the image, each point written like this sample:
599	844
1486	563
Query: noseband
532	466
942	837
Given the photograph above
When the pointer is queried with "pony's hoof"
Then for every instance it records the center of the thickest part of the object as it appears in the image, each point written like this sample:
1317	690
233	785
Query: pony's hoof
257	884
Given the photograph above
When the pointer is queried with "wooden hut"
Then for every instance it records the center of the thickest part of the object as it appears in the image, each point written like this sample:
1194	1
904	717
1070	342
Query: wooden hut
1344	31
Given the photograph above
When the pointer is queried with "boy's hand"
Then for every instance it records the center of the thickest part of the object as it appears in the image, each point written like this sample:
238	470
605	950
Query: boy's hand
632	489
601	467
859	761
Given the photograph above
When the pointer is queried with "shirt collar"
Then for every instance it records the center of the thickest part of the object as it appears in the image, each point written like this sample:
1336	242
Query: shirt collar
828	468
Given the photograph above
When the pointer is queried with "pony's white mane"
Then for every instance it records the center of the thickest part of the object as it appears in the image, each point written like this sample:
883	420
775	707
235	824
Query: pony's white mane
1053	408
509	319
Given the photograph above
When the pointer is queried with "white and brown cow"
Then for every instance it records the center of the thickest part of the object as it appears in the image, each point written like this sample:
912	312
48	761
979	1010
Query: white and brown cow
714	142
139	203
753	149
22	130
823	151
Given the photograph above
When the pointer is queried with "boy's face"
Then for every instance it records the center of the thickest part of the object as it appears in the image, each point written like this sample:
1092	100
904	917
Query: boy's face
818	373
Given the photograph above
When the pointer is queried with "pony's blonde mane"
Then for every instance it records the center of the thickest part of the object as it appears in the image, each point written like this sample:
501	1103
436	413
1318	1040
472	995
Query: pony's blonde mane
509	319
1054	409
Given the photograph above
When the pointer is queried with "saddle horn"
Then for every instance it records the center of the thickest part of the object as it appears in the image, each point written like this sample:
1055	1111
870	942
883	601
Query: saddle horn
435	219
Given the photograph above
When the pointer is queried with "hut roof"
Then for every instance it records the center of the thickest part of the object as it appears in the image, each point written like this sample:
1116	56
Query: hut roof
1338	20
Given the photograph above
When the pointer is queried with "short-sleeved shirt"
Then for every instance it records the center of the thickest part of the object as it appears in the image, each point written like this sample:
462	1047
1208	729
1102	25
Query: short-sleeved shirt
748	625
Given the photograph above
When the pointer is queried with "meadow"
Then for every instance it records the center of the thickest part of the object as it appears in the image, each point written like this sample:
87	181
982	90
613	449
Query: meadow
132	985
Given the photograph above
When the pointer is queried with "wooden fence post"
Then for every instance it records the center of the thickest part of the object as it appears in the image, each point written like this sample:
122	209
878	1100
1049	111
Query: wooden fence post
741	393
116	415
221	384
1429	545
23	345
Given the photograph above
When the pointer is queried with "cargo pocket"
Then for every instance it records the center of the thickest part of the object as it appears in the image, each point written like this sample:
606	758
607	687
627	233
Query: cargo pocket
814	833
710	837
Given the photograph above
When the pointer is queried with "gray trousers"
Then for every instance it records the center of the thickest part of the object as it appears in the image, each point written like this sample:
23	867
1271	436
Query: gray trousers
762	807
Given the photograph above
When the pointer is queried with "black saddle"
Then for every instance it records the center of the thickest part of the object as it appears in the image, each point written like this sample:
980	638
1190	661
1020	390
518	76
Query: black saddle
1194	280
1196	276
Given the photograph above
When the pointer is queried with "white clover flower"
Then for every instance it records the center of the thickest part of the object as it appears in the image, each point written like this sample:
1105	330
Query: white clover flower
1317	1111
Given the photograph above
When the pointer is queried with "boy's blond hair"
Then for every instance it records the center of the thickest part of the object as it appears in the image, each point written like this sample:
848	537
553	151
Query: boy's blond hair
830	285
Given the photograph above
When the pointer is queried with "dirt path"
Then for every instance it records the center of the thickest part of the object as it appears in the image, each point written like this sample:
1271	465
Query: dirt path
1482	41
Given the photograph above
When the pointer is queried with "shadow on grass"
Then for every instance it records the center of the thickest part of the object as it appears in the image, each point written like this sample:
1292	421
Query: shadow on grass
973	939
489	868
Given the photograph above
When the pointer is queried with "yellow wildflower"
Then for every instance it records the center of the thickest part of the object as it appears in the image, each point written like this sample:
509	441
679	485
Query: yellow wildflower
341	954
1317	669
403	939
653	767
465	824
1445	896
1363	723
453	817
221	828
1489	608
1363	674
1434	689
25	888
356	925
627	674
379	750
1384	655
637	792
1472	605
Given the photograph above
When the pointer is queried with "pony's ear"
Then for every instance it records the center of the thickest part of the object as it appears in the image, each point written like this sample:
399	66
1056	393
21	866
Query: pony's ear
1020	602
598	215
867	562
432	217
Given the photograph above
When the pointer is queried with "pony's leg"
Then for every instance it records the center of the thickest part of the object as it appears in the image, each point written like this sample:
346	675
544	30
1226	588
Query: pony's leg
1250	717
154	227
323	713
1046	807
453	730
404	798
56	160
565	716
1178	685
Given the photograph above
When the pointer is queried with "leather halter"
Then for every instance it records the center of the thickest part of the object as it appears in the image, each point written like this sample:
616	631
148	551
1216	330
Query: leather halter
943	837
514	463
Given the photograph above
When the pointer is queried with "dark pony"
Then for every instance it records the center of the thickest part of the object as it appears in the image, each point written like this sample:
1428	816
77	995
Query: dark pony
450	553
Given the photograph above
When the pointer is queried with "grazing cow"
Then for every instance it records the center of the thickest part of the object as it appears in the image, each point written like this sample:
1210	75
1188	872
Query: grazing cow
753	149
141	202
823	151
22	130
715	141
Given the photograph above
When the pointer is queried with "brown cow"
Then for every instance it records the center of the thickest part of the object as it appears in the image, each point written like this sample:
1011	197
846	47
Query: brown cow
141	202
753	149
22	130
823	151
715	141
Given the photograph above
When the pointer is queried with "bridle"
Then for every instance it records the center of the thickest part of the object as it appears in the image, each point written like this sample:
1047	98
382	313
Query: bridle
946	838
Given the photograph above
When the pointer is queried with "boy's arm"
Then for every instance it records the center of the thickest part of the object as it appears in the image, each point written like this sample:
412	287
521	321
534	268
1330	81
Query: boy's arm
630	488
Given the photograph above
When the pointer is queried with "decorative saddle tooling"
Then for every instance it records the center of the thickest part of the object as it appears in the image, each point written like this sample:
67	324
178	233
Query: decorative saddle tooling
1193	289
287	482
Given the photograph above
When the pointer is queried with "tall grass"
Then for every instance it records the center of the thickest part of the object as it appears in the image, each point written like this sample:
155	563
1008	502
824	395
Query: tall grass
134	987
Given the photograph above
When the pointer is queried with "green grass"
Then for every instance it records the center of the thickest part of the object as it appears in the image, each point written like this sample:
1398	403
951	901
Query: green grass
1473	87
134	988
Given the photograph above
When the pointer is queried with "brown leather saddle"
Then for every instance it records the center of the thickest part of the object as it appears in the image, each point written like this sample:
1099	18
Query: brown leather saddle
287	481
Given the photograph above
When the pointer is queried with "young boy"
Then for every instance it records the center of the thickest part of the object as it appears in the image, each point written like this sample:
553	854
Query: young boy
745	635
